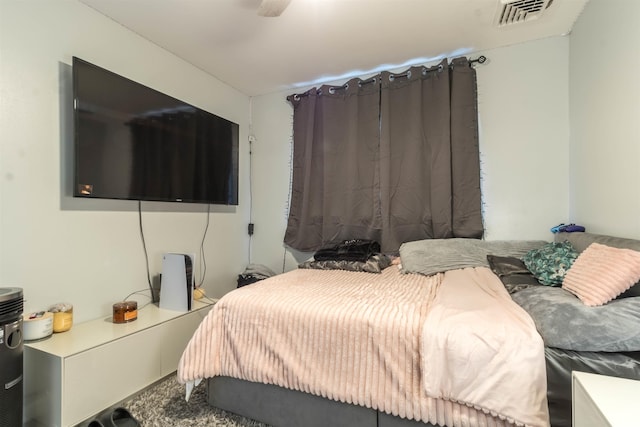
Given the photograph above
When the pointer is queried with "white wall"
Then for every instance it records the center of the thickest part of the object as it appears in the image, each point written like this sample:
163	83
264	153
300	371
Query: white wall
272	122
523	108
90	254
605	118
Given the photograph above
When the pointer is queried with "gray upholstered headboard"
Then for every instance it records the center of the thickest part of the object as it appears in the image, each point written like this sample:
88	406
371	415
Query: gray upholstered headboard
580	240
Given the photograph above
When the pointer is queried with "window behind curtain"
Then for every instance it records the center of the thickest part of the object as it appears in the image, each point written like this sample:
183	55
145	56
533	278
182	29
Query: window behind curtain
394	158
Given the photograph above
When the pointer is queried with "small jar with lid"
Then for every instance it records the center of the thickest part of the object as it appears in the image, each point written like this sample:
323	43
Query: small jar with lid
126	311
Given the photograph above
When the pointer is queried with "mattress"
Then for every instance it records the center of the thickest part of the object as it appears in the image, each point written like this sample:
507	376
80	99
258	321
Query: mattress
358	338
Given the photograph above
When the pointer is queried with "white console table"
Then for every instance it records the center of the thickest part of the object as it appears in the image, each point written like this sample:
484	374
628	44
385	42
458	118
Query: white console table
603	401
74	375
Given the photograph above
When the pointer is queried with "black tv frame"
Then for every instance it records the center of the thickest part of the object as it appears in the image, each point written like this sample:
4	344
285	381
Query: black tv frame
216	143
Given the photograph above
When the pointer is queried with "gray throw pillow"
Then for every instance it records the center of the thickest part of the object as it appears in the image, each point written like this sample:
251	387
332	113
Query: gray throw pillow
506	265
515	276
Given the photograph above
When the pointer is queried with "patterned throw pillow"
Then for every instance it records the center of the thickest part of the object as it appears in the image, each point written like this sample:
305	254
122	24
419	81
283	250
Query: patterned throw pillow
601	273
550	263
375	264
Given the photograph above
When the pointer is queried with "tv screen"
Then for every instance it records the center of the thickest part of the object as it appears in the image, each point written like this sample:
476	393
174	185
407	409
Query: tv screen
133	142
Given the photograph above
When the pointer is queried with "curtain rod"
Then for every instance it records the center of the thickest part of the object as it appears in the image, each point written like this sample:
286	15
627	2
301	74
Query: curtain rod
480	60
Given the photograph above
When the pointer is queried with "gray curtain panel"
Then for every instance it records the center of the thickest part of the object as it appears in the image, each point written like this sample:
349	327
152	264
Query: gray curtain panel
334	194
394	158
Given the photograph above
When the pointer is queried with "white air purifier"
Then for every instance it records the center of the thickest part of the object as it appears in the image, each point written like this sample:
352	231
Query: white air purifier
176	282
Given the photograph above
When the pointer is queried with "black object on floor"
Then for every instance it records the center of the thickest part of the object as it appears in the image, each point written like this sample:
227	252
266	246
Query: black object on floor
95	423
120	417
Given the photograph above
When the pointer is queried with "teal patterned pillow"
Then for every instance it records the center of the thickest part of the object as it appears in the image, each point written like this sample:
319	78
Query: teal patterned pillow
551	262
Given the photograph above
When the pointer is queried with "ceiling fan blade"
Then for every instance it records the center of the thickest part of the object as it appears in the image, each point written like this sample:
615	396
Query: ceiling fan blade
272	8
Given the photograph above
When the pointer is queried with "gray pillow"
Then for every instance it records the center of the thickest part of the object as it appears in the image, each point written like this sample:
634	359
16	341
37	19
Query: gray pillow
565	322
431	256
506	265
581	241
512	272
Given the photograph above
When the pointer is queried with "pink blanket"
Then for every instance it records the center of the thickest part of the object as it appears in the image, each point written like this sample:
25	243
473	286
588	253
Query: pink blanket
347	336
481	349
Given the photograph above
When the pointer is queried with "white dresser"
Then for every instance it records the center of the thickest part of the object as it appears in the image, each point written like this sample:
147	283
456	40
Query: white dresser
603	401
76	374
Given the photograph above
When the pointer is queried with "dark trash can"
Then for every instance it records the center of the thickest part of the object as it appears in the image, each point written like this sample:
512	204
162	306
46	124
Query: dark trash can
11	367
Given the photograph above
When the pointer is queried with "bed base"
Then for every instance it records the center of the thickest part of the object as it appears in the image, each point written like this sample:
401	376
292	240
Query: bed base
560	365
281	407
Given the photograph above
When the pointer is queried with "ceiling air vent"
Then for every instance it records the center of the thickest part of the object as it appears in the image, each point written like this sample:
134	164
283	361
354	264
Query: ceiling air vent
516	11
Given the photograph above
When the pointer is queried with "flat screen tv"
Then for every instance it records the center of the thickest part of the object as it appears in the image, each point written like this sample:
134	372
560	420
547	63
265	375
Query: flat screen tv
133	142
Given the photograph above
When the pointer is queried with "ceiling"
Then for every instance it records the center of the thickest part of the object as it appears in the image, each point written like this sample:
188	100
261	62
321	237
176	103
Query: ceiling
315	41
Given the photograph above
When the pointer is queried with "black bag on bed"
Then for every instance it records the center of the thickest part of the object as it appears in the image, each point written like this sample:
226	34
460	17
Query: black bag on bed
349	250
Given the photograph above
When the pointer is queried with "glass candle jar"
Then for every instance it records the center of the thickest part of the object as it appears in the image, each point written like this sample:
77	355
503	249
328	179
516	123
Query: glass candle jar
62	316
126	311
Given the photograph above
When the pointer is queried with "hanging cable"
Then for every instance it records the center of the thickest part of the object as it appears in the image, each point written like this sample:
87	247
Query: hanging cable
144	247
250	228
251	139
203	260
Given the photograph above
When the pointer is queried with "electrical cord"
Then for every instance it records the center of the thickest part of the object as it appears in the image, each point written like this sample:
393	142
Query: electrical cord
203	260
210	300
251	138
250	194
144	246
140	292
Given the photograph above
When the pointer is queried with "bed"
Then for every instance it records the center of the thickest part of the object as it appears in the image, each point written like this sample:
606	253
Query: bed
438	342
603	340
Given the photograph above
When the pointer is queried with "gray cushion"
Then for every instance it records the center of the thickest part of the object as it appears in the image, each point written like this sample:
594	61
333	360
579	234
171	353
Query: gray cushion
565	322
433	256
581	241
507	265
512	272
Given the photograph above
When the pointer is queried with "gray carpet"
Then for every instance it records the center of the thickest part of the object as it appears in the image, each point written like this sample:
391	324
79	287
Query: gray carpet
163	405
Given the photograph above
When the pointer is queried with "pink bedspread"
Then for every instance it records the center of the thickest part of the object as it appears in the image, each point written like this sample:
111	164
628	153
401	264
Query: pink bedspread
350	337
480	348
